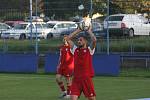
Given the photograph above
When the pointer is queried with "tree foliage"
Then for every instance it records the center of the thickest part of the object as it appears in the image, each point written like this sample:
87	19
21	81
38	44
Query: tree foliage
133	6
63	9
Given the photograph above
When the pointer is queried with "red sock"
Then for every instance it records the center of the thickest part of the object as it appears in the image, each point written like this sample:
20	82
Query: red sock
61	85
68	85
68	89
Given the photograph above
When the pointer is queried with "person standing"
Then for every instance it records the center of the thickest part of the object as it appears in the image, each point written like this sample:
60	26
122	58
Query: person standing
65	69
83	68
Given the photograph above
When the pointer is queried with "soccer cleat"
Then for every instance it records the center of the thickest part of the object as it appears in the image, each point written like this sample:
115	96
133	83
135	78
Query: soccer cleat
67	97
63	95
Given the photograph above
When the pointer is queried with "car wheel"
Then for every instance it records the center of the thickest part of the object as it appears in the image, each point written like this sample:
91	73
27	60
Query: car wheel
131	33
49	36
22	37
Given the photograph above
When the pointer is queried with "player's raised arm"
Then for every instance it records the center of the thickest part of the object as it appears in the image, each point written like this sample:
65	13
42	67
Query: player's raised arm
73	34
93	38
69	41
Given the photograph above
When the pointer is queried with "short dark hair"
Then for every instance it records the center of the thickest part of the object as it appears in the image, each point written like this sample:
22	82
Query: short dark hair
85	12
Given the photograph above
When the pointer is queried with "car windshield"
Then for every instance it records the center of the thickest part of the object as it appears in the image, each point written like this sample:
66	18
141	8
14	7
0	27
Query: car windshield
51	25
45	25
115	18
143	19
10	24
20	26
3	26
39	26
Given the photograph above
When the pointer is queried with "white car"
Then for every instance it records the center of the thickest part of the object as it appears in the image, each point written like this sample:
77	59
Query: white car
56	28
23	31
4	27
127	24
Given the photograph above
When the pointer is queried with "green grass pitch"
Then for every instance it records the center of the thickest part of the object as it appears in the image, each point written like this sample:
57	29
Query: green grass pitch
43	87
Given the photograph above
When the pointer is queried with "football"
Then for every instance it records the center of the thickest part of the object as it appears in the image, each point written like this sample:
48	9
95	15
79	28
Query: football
85	24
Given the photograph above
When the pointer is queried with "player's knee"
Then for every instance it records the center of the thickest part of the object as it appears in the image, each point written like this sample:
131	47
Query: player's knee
69	83
58	78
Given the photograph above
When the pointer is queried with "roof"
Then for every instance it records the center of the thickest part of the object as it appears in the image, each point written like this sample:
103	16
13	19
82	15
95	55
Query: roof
60	22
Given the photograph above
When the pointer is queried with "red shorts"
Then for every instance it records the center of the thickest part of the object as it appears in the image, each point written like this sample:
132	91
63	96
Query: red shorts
65	71
84	85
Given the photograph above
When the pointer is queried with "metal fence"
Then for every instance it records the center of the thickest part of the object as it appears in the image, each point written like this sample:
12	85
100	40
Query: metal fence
124	45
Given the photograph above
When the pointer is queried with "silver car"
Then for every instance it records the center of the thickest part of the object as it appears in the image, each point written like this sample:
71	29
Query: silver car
23	31
127	24
56	28
4	27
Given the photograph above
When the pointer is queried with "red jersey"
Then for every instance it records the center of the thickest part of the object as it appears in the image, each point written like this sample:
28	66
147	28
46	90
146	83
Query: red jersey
66	63
83	62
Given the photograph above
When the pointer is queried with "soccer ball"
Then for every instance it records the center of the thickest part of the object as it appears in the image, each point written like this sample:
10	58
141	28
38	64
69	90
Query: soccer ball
84	25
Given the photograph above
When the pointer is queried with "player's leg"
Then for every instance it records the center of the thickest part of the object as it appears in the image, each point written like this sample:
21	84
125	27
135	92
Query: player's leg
91	98
88	89
76	89
74	97
61	84
68	82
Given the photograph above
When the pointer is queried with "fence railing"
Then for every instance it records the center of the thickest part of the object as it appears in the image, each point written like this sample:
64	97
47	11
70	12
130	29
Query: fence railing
119	45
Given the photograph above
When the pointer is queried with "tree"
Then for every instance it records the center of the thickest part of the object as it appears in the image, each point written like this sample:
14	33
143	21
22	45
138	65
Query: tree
60	8
13	9
145	7
133	6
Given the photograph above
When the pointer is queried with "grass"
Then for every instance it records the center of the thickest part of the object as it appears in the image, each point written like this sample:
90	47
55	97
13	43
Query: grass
43	87
21	46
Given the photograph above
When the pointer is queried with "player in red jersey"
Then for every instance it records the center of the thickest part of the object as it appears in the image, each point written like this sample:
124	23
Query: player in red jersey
83	68
65	68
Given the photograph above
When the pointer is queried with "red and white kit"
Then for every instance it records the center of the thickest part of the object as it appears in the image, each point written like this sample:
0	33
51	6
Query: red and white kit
66	62
83	72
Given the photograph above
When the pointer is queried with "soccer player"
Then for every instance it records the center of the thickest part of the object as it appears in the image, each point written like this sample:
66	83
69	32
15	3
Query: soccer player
83	68
65	69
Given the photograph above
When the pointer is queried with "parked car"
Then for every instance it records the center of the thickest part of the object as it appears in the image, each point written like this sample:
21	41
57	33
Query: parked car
13	23
3	27
67	32
127	24
23	31
57	28
34	19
